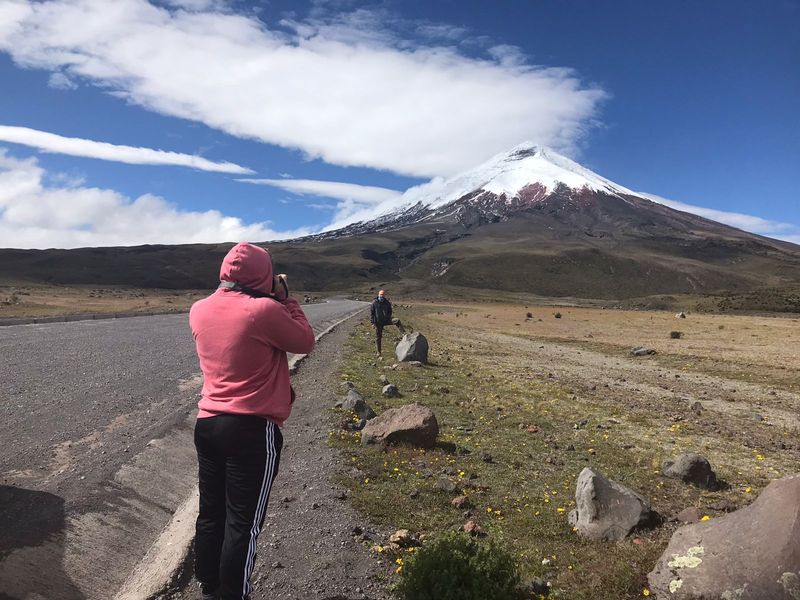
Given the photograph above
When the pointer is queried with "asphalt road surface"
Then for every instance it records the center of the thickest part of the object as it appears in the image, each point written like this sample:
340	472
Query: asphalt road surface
96	446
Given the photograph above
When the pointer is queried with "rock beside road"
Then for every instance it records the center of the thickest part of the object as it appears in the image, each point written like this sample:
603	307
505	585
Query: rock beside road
750	554
691	468
607	510
355	402
413	347
411	424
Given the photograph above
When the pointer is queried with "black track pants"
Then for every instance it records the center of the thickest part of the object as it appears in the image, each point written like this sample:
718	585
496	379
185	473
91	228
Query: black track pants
238	458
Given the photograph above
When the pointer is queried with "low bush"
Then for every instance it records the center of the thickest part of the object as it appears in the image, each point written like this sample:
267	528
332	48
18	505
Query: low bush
676	335
455	566
557	315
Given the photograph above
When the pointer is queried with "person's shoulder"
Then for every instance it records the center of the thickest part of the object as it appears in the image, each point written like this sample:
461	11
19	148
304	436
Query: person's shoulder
267	306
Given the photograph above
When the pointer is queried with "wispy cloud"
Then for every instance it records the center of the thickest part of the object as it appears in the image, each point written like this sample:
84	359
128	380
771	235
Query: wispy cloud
346	88
354	202
60	81
37	212
51	142
789	232
338	190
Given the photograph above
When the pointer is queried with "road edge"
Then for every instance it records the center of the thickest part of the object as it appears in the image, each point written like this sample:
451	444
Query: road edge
165	558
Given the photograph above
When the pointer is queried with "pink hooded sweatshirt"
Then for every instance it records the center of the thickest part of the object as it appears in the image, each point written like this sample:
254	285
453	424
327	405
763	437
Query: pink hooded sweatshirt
242	341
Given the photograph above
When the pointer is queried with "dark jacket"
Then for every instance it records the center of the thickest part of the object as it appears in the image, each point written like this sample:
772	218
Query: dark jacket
380	313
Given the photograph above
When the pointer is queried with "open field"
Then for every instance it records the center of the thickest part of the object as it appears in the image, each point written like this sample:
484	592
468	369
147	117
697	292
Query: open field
547	397
27	300
53	300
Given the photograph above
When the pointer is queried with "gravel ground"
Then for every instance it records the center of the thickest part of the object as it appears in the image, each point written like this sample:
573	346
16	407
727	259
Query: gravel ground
306	549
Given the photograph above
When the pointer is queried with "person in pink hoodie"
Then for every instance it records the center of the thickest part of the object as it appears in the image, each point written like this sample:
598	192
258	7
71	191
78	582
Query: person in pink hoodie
243	332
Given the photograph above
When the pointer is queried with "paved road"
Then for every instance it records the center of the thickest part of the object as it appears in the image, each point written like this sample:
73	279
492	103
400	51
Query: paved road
96	452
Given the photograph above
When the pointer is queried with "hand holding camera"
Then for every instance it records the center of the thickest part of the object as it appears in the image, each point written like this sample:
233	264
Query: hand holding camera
280	289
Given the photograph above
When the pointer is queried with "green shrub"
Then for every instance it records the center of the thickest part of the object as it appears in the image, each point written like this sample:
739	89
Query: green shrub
676	335
458	567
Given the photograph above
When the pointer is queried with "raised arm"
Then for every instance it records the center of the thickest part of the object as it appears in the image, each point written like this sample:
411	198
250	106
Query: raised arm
288	328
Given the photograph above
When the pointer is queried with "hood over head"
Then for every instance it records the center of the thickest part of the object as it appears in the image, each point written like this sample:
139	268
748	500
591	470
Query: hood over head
248	265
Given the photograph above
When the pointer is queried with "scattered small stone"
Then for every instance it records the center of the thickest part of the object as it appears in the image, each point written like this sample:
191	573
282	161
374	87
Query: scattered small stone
757	417
277	565
390	391
689	515
486	457
384	379
691	468
696	408
446	485
403	538
460	502
472	528
538	587
642	351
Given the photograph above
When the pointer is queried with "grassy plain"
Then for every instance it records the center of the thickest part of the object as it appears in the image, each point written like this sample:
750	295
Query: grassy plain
39	300
547	397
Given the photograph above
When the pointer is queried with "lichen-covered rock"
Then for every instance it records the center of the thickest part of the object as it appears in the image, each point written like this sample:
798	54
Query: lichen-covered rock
607	510
411	424
750	554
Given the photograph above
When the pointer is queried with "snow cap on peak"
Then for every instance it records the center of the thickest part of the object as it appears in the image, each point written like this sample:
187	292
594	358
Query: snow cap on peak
509	172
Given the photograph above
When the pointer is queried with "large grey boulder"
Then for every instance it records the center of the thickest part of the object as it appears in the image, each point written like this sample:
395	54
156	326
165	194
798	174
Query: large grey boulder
411	424
413	346
355	402
750	554
607	510
691	468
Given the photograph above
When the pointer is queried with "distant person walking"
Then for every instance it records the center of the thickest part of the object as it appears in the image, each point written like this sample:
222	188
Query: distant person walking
242	332
380	314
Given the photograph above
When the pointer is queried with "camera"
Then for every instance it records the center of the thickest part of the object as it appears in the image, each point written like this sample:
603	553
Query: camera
280	289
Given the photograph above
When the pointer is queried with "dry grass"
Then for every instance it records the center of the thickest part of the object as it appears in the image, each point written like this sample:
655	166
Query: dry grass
51	301
521	389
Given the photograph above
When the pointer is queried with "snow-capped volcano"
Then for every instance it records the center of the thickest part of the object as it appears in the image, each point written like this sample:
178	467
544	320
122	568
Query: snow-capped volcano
510	173
523	178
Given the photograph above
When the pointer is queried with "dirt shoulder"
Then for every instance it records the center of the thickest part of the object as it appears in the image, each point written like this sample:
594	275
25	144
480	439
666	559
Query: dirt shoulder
306	549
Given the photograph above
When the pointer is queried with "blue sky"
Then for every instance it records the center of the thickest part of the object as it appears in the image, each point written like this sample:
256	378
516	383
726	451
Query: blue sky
695	102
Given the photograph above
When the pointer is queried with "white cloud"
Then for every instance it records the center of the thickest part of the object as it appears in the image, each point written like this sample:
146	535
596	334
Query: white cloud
348	91
198	5
775	229
60	81
36	215
355	202
51	142
365	194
